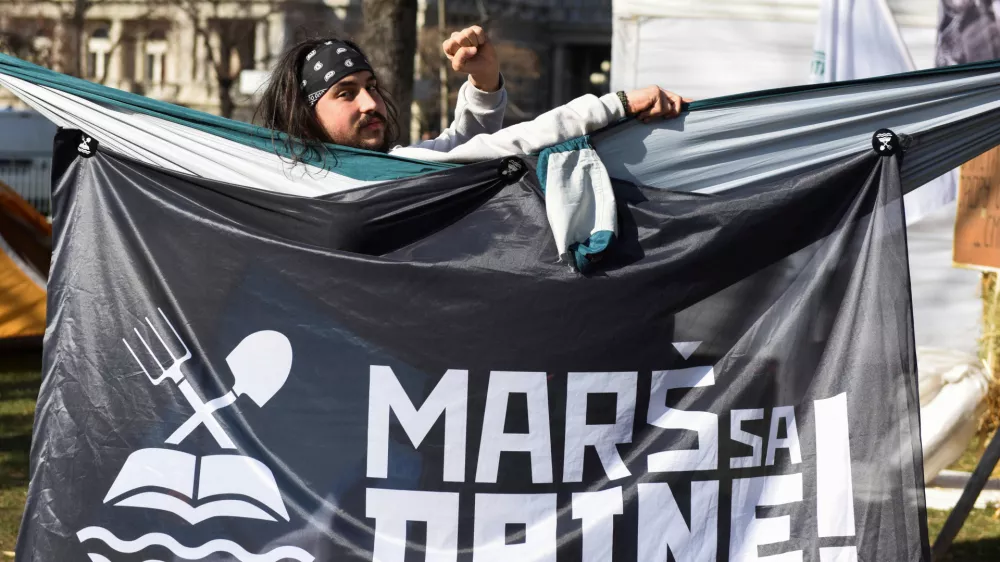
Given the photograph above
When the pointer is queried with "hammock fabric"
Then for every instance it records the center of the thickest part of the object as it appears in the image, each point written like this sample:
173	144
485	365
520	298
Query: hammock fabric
761	135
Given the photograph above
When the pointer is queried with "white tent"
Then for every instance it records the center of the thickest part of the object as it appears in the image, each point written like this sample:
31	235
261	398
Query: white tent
710	48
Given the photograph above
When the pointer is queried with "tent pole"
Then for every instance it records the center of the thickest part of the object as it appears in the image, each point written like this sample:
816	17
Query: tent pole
965	503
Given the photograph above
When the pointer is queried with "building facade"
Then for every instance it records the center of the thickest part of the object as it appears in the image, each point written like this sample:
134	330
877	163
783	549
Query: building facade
182	52
192	52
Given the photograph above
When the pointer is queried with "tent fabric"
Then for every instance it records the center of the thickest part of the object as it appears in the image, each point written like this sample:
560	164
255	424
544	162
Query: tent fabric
25	249
710	48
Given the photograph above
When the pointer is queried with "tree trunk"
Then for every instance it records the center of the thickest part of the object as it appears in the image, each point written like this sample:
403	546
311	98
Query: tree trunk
226	104
390	41
78	37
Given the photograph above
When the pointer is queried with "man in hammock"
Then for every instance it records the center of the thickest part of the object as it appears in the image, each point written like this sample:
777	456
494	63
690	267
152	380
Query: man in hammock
325	91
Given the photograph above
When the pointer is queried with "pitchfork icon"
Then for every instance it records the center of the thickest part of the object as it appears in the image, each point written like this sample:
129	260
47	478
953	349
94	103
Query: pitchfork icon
885	139
260	364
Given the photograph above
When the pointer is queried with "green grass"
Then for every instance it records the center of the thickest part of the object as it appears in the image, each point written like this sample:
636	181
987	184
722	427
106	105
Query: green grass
979	539
970	458
20	376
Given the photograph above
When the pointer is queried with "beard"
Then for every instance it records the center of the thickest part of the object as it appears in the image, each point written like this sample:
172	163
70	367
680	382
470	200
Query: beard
377	140
381	143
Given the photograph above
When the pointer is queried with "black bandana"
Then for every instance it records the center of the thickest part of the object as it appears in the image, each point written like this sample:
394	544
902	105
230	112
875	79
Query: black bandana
326	65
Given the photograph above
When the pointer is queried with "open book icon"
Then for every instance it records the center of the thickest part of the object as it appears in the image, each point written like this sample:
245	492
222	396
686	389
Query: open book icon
227	486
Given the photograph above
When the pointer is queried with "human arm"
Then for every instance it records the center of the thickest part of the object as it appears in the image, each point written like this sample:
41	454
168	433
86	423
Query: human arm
579	117
482	99
476	113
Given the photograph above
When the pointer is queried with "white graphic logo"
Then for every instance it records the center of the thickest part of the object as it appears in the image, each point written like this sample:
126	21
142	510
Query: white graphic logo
329	75
885	139
311	54
341	50
318	65
303	83
348	63
197	488
84	146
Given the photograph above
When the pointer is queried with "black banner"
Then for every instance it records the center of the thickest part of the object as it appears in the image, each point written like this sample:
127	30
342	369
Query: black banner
406	372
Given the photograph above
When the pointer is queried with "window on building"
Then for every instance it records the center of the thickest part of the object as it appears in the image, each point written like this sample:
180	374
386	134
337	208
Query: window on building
128	54
155	62
98	52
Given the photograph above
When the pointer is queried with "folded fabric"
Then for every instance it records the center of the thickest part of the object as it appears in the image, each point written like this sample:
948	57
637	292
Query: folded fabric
579	201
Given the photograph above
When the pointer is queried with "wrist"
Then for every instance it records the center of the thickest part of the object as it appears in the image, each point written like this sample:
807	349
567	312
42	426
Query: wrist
489	84
623	98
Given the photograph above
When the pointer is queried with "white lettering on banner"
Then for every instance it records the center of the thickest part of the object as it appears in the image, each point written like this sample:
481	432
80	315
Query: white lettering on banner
790	442
596	510
706	456
536	512
537	441
834	487
736	433
523	527
748	531
449	398
662	526
391	509
604	437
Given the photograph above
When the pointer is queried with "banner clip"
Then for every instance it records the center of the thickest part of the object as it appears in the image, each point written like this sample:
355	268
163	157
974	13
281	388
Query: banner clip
885	143
511	169
88	145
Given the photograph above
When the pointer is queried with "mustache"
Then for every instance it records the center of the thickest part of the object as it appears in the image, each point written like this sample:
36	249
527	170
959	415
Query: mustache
369	118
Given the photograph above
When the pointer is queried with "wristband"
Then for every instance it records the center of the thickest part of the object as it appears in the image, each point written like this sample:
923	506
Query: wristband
624	99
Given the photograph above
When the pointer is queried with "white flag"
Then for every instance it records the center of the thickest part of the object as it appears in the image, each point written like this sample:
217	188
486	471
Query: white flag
859	39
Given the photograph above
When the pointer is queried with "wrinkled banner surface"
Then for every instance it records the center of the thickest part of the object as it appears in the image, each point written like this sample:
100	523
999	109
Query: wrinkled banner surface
406	372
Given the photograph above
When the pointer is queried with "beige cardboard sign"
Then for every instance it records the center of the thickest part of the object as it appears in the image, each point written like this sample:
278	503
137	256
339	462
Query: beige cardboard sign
977	220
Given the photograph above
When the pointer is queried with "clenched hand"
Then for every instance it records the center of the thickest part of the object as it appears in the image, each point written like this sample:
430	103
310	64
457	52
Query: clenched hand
471	51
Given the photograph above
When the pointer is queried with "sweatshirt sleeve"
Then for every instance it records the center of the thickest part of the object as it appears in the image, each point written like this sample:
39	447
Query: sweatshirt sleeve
476	113
581	116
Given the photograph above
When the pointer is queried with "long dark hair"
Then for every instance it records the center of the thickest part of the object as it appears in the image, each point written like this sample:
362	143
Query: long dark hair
284	108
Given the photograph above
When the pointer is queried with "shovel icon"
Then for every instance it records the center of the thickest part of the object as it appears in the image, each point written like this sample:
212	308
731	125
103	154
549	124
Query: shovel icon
260	364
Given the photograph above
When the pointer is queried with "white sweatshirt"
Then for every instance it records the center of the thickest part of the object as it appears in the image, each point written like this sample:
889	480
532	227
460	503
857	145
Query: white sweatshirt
579	199
477	112
476	135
